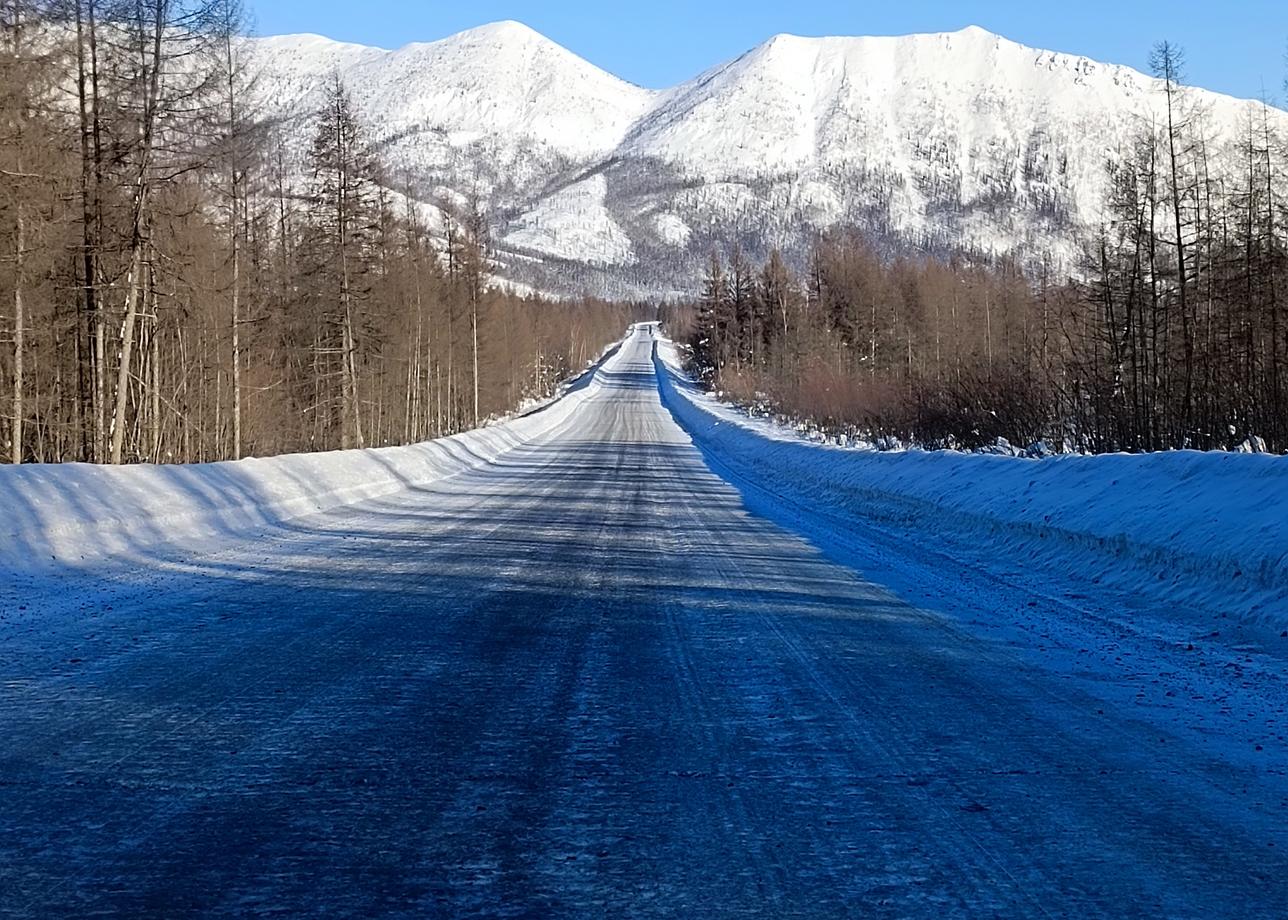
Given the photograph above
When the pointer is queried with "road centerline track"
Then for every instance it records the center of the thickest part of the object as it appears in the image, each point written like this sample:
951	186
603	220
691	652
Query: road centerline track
585	680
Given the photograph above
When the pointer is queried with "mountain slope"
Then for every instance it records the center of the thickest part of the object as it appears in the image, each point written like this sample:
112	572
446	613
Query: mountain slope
498	105
960	140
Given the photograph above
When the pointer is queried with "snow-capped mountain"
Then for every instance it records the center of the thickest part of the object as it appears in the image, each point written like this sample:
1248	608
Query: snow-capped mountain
499	106
960	140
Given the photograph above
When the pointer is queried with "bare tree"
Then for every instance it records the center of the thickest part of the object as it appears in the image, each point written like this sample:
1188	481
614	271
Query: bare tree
344	182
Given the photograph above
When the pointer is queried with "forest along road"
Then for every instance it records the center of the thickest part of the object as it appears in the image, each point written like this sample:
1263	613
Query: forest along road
584	681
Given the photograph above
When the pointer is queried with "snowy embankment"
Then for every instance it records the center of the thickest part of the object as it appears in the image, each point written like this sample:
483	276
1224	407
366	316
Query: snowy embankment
1207	531
57	515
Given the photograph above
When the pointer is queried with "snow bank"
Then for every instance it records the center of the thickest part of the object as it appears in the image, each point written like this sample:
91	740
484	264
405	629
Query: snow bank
54	515
1209	530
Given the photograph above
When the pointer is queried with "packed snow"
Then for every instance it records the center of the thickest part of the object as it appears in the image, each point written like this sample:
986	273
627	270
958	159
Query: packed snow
65	517
585	662
1204	535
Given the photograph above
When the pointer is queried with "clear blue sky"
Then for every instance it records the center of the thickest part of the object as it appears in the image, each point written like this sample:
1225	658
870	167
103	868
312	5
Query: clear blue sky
1234	47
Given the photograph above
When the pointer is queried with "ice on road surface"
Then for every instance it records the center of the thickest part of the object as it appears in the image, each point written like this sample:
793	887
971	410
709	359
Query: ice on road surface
583	680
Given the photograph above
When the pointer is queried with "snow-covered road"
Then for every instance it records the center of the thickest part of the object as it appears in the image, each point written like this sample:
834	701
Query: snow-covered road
584	681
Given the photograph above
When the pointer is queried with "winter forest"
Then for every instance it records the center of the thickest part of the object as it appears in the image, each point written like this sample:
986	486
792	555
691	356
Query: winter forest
1173	332
186	281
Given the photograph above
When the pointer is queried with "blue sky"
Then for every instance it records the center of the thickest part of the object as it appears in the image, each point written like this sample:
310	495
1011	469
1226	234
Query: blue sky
1234	47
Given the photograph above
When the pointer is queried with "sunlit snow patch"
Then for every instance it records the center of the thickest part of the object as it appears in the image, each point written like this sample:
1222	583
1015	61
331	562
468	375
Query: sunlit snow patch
574	223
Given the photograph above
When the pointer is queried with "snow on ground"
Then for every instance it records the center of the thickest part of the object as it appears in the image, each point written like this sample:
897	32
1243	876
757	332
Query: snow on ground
82	516
574	224
546	683
1156	585
1206	533
672	229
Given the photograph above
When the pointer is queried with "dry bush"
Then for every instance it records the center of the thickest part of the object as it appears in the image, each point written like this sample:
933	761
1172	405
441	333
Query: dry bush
980	408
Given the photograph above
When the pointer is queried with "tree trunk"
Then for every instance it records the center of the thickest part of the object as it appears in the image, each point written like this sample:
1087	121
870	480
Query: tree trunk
1181	272
87	80
235	228
154	379
142	190
127	348
19	330
474	335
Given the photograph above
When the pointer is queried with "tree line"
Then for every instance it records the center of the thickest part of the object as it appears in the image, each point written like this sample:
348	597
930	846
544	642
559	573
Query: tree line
1172	332
186	281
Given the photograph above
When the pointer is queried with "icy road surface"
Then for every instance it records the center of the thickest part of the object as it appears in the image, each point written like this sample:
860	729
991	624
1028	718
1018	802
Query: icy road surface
584	681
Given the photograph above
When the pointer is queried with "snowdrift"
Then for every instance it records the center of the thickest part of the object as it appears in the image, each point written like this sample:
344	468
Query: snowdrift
1209	530
56	515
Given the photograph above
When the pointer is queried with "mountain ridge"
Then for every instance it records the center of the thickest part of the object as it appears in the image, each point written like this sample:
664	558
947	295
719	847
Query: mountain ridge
934	141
